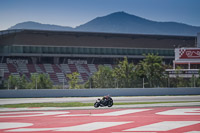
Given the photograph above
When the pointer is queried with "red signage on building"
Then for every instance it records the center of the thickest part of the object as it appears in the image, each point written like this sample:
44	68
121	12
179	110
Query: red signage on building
189	53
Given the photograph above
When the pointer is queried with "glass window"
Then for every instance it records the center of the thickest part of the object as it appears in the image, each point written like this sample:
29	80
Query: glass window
156	52
109	52
81	50
44	49
62	50
32	49
92	51
119	51
38	49
69	50
114	51
26	49
74	50
98	51
51	50
150	51
57	50
135	51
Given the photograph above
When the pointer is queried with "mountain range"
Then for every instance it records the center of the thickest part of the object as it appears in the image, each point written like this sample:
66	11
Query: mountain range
119	22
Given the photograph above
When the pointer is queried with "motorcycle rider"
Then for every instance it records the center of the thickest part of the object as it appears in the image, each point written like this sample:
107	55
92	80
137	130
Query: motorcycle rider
105	99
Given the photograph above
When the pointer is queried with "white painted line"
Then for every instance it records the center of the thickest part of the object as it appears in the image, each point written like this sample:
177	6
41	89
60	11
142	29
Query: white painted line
114	113
193	132
134	132
184	111
75	115
164	126
29	114
8	125
121	112
84	127
92	126
31	129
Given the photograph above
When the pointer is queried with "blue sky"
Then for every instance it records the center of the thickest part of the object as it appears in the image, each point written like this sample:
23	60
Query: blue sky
76	12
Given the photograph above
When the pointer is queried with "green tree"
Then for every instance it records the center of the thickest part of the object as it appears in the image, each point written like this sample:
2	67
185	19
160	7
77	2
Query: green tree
16	82
12	82
198	80
74	80
22	82
103	78
34	82
179	81
152	69
40	81
44	82
124	74
193	81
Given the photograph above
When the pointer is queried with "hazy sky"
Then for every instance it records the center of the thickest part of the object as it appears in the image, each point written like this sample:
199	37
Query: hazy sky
76	12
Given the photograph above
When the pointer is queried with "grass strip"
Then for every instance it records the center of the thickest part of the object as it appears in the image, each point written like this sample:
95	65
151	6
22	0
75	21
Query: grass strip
78	104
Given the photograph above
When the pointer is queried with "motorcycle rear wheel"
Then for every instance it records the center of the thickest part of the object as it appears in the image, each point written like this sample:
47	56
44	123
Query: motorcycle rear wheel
110	104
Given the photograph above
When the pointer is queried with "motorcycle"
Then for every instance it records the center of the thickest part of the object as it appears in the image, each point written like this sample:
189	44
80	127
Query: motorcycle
108	101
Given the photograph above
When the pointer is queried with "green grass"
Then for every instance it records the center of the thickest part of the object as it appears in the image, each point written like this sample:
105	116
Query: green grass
77	104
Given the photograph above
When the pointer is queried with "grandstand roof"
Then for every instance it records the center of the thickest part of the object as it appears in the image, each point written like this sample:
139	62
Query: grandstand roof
93	39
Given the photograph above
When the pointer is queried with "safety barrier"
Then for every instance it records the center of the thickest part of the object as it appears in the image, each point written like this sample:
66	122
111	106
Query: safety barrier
26	93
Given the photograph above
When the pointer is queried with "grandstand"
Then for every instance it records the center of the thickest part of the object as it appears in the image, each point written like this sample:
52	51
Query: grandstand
58	53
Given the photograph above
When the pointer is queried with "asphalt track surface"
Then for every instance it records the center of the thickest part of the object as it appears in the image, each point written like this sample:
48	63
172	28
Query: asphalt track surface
93	99
142	118
107	120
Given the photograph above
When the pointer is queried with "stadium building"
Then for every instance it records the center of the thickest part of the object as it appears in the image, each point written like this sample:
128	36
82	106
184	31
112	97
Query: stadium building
58	53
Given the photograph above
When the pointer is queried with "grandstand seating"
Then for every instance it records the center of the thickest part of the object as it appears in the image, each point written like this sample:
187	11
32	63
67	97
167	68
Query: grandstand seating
4	67
61	77
92	68
53	77
37	68
84	76
86	67
73	68
65	68
6	75
56	72
23	68
56	68
41	66
12	68
28	75
48	68
31	68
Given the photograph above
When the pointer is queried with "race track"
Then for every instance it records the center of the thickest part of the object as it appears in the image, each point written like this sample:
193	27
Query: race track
190	98
127	120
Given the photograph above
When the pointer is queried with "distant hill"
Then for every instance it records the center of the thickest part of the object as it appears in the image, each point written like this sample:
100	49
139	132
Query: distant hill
39	26
120	22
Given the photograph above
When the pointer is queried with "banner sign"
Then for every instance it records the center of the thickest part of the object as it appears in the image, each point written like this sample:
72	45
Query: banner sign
185	53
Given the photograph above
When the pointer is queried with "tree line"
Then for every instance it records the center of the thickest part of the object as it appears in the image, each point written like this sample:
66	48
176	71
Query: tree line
148	73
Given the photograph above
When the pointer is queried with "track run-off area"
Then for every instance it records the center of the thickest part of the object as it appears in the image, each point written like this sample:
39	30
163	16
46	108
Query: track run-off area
106	120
